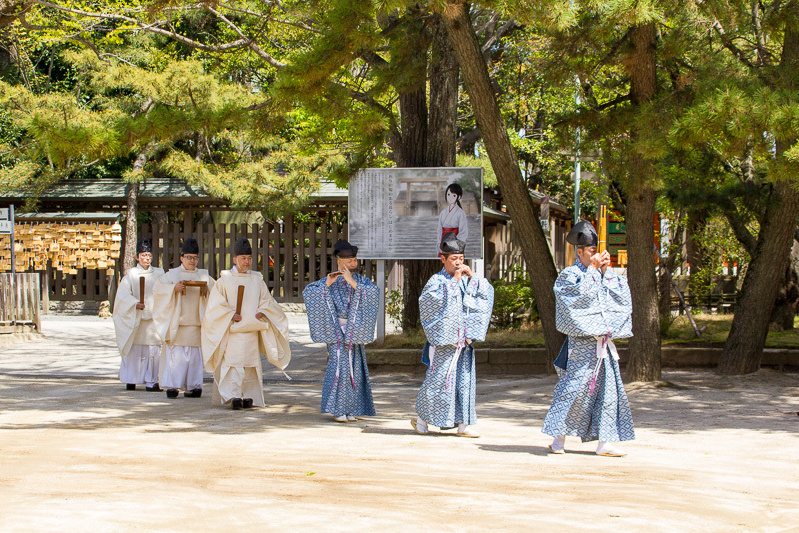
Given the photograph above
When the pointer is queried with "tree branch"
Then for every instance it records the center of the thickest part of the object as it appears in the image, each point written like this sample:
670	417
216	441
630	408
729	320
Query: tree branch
249	42
742	233
503	30
737	52
467	138
153	28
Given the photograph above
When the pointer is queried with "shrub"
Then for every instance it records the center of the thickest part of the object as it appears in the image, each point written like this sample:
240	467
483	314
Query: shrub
394	306
514	301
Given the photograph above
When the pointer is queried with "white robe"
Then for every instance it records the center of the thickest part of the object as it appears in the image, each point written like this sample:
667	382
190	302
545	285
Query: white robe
453	219
178	319
231	349
137	337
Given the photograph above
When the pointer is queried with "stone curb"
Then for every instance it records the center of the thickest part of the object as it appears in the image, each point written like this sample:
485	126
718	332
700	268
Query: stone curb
533	360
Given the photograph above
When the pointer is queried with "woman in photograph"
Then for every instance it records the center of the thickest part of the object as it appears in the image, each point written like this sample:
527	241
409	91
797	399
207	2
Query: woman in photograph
453	218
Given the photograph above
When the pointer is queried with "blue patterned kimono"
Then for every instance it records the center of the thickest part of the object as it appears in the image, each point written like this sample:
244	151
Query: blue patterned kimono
454	315
344	318
589	400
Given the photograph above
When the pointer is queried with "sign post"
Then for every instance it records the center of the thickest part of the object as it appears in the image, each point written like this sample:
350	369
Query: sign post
7	228
381	312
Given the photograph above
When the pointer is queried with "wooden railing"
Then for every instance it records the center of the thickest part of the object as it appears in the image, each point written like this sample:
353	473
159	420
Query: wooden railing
20	300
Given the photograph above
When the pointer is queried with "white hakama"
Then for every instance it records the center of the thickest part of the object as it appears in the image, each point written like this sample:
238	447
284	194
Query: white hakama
178	317
231	350
137	337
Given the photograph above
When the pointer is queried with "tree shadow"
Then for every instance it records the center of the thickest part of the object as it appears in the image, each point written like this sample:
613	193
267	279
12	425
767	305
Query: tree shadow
685	401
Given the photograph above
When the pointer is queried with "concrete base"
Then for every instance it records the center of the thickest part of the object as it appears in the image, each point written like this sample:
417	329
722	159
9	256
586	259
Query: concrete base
16	334
533	360
79	307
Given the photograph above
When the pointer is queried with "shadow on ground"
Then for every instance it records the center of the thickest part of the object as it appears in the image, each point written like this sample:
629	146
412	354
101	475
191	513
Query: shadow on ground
685	401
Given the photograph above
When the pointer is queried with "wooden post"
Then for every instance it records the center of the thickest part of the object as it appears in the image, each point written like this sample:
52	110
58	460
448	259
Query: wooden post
381	309
288	264
45	284
37	300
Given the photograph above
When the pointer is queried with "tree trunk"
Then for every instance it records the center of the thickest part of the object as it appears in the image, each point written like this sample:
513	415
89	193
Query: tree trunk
644	361
131	227
428	140
131	222
787	295
506	167
693	252
415	276
744	347
441	132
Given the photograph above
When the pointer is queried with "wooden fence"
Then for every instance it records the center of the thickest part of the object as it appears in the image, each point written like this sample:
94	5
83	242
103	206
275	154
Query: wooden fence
20	300
508	260
289	255
88	284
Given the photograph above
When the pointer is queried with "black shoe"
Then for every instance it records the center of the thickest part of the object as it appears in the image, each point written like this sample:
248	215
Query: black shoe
172	393
154	388
193	393
130	386
236	404
246	403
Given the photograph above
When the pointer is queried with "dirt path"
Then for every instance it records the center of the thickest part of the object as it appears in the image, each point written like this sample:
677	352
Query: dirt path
712	454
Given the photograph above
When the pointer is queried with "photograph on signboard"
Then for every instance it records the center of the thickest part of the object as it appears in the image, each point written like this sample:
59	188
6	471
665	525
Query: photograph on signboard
402	213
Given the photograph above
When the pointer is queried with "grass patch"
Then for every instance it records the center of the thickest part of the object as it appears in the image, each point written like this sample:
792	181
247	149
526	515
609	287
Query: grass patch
717	327
527	335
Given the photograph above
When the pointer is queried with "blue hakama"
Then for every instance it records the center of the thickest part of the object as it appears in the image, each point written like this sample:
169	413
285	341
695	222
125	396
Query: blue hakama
344	318
592	310
453	315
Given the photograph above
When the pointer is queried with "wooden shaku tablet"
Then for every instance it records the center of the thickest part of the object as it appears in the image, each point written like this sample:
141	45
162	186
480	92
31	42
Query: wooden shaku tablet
240	299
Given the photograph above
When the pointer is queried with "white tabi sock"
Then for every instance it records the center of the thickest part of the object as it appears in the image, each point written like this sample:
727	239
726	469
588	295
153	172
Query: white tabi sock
421	424
604	447
558	443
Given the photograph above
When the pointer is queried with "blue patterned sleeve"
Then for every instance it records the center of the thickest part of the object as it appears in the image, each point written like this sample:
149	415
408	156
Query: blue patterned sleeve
478	302
440	311
320	319
618	305
578	309
362	315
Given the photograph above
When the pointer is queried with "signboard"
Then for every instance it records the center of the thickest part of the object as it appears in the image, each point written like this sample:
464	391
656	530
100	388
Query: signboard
6	221
401	213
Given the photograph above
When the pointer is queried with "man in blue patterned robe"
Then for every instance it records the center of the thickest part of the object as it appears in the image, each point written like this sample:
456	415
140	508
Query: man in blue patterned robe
342	312
455	310
593	307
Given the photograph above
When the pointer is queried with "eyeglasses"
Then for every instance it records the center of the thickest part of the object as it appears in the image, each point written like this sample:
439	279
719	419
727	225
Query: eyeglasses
191	257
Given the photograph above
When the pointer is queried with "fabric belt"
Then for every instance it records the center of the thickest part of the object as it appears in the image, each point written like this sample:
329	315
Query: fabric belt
604	347
342	322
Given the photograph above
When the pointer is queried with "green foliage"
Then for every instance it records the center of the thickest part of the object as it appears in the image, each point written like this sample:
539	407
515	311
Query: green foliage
395	306
191	124
514	301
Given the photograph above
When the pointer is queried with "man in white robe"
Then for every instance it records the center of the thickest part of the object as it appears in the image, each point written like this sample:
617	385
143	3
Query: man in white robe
180	303
232	342
137	337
